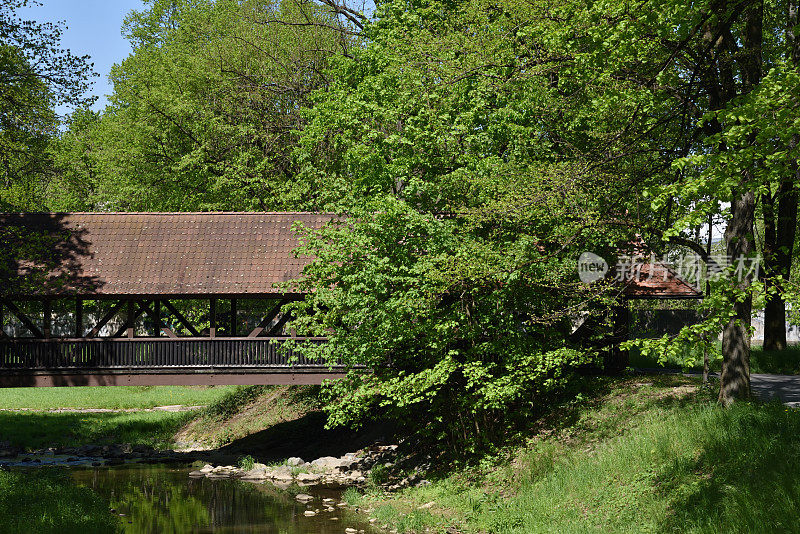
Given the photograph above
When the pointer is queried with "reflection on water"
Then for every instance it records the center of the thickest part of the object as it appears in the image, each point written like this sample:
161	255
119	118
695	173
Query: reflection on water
164	500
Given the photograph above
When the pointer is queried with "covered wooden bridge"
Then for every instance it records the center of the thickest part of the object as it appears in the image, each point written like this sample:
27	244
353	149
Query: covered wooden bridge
150	299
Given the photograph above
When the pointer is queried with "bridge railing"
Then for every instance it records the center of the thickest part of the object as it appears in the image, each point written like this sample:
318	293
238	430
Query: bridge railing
153	353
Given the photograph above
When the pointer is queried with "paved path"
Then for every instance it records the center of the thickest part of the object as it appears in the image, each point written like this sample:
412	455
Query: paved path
784	387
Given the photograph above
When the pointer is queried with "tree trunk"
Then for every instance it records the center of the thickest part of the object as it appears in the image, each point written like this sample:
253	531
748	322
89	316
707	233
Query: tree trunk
735	378
779	234
774	321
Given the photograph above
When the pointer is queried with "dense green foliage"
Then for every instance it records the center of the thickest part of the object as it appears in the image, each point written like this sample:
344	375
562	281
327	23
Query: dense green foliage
456	260
204	111
35	76
473	151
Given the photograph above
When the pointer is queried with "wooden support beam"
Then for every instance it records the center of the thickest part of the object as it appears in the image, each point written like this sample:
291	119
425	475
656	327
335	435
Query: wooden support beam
155	314
175	378
78	317
169	333
276	330
212	317
104	320
268	318
23	318
617	359
131	315
234	317
179	316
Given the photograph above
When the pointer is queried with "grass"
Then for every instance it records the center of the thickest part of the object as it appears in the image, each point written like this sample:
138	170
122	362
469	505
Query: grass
50	502
246	462
39	429
246	410
783	362
114	397
234	400
230	413
33	430
653	454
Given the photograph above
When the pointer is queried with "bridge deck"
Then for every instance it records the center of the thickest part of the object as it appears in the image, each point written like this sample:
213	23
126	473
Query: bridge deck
158	361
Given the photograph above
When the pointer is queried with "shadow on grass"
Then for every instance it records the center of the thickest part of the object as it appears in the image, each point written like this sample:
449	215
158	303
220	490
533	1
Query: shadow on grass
613	401
782	362
50	502
307	438
746	477
42	429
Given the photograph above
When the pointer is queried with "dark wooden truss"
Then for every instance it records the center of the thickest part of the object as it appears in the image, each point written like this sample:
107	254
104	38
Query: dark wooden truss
157	309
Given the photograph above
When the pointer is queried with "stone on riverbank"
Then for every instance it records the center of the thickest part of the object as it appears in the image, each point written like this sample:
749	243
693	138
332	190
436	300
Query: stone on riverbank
351	469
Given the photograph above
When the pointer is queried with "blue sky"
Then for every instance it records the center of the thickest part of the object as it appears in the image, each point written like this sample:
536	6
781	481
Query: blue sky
93	28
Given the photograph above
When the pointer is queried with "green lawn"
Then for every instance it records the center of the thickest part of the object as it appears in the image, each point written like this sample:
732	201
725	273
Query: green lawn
117	397
653	455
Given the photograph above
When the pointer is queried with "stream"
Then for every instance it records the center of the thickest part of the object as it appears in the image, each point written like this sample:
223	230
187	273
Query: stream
163	499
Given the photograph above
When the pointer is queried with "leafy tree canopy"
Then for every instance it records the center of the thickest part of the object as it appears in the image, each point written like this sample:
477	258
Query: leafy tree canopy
36	75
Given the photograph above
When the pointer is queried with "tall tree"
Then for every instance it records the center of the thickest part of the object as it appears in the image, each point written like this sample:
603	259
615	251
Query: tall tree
710	59
780	214
204	111
664	104
457	145
36	75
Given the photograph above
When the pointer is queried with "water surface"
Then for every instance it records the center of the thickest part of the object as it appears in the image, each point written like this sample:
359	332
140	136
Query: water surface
165	500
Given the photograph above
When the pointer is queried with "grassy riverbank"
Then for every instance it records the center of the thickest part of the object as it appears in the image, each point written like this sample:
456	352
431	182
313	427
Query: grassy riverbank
35	430
639	454
246	411
648	455
30	417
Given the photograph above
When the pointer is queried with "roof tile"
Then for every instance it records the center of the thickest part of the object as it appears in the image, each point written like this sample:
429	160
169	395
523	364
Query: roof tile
167	253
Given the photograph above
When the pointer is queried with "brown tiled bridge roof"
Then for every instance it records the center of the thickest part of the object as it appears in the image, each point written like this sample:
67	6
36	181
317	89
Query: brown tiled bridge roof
150	253
659	281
